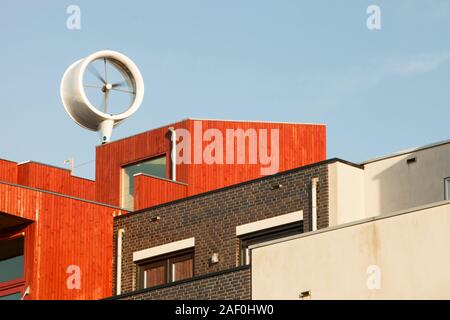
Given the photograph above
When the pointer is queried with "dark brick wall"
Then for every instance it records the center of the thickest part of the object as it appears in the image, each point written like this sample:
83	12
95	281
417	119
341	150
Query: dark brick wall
229	285
212	219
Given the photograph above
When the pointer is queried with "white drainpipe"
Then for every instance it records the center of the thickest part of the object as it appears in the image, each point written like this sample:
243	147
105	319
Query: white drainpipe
314	202
119	261
173	153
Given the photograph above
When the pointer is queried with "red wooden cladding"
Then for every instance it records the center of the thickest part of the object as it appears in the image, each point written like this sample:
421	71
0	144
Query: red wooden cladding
64	232
150	191
299	144
8	171
40	176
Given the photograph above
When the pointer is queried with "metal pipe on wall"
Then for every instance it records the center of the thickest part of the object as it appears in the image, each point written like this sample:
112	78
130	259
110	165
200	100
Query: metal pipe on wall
173	153
120	234
314	182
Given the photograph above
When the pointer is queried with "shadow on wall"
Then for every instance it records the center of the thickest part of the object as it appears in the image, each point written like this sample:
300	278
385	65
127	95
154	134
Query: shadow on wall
407	181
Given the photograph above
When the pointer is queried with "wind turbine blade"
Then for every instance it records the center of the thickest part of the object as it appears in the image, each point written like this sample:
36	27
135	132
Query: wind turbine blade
126	91
106	72
96	73
119	84
105	102
92	86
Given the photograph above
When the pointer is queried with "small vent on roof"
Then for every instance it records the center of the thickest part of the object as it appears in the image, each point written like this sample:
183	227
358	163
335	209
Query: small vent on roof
411	160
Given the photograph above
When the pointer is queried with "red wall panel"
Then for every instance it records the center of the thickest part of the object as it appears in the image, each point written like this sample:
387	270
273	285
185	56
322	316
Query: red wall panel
8	171
41	176
65	232
151	191
299	144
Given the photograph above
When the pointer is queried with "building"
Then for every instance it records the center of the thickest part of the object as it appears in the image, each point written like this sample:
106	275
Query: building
197	247
250	210
50	224
56	230
388	236
331	229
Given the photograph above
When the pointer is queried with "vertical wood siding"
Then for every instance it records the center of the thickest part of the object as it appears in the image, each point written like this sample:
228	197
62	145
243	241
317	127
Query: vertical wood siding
8	171
64	232
299	144
151	191
40	176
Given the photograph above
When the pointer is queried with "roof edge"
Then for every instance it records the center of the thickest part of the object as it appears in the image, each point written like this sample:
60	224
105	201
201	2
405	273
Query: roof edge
258	121
199	119
237	185
406	151
63	195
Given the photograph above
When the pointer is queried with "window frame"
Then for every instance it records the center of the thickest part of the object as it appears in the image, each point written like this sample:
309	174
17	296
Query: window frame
180	258
278	232
167	260
135	162
151	265
446	188
11	287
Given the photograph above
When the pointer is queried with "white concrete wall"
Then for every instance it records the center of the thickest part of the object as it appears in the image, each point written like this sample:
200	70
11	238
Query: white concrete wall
411	249
346	193
391	184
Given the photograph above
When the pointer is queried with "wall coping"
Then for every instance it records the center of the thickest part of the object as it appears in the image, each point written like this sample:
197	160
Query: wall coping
238	185
406	151
62	195
160	178
353	223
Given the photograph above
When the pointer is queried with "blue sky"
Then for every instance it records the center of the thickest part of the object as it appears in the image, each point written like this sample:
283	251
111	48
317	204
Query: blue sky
297	61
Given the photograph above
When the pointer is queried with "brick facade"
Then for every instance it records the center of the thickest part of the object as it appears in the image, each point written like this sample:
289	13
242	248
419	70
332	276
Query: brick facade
212	219
234	284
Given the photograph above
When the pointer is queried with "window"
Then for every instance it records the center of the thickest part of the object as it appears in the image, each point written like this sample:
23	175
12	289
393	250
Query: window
447	188
171	268
11	268
154	167
182	267
266	235
11	259
155	274
13	296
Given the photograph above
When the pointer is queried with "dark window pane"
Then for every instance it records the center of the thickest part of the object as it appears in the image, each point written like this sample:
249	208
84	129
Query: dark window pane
11	259
182	268
11	269
169	268
155	275
14	296
153	167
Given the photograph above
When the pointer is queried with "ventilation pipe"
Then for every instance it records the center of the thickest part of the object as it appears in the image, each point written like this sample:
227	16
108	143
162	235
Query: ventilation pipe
173	153
314	203
120	234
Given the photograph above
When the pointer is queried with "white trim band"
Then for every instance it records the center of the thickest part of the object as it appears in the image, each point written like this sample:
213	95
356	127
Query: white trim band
269	223
163	249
